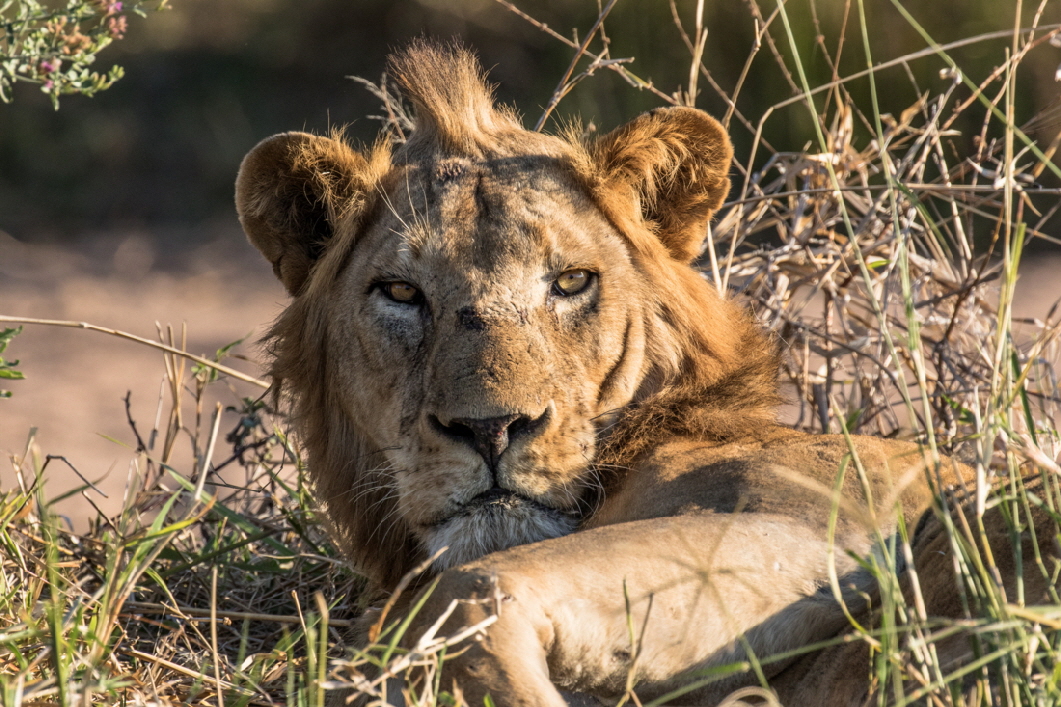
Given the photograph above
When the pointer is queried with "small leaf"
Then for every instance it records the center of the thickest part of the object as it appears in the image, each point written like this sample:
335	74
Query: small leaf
6	335
7	368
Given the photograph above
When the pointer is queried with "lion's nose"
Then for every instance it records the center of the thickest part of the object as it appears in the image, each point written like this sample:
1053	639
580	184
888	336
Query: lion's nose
490	436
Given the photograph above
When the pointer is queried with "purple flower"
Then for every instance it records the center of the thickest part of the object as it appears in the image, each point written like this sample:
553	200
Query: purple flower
116	27
109	7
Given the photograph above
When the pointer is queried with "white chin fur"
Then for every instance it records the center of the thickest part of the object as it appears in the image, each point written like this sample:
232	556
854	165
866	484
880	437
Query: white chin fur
486	530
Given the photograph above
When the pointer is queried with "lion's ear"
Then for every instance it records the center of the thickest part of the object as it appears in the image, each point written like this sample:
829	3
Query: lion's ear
676	161
291	191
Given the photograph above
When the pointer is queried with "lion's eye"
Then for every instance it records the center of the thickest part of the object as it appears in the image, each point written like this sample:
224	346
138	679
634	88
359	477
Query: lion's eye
572	282
401	292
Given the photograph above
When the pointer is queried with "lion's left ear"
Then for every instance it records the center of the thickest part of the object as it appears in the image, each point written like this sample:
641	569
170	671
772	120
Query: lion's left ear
676	161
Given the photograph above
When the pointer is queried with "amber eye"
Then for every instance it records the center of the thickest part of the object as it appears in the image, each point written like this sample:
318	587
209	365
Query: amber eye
572	282
401	292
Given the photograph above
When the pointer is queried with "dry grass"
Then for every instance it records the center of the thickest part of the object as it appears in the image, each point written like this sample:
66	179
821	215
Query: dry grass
885	255
113	611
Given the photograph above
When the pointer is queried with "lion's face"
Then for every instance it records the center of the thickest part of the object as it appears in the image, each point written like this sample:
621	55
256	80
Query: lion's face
482	333
472	312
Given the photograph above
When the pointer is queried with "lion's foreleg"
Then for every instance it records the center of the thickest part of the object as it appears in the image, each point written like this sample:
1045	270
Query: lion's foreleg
507	659
636	604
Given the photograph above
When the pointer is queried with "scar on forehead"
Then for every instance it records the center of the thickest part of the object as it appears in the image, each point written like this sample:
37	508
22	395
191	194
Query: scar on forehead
449	169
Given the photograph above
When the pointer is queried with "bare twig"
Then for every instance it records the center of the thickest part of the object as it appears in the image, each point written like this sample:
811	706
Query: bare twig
146	607
565	86
140	340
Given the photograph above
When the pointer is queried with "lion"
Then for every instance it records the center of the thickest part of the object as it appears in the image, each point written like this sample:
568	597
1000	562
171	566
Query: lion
500	355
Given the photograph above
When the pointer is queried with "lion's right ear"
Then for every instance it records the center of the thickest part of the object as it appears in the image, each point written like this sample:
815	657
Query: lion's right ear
291	191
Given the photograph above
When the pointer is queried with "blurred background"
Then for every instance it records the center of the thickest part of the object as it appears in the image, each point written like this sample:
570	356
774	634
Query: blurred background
209	78
118	209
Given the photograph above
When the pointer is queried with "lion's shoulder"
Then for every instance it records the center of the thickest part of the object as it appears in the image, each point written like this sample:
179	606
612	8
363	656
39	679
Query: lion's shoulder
778	471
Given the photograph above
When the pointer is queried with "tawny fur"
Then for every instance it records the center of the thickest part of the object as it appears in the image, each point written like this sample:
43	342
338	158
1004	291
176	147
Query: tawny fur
649	399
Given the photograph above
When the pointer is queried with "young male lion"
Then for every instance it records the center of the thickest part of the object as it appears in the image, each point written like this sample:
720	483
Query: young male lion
497	345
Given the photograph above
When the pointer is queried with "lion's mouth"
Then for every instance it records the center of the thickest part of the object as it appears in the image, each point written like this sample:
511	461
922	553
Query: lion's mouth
497	501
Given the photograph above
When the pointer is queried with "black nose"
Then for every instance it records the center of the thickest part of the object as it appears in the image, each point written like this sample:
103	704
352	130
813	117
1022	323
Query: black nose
490	436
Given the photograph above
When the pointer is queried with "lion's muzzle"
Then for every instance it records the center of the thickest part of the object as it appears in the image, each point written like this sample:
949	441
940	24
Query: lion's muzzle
491	436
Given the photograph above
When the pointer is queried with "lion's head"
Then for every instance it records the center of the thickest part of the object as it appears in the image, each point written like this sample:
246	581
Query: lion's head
482	313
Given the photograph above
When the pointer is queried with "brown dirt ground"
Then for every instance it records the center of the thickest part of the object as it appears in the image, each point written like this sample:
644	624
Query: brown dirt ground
76	380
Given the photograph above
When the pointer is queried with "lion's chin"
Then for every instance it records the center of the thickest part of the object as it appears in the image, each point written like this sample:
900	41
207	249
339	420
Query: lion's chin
492	521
